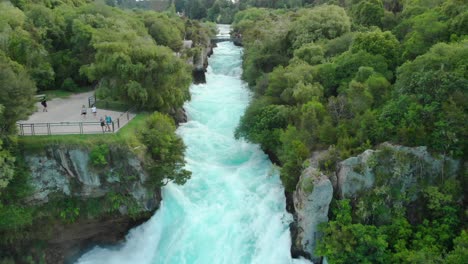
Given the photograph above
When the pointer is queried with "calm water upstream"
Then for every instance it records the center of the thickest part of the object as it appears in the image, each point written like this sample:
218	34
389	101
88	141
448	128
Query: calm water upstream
232	210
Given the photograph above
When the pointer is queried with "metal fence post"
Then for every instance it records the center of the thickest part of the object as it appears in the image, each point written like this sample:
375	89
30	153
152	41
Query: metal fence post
81	127
113	130
118	122
48	129
32	130
22	129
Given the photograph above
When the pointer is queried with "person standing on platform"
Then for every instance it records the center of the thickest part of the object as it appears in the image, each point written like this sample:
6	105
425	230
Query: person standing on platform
44	104
108	122
84	111
94	110
103	124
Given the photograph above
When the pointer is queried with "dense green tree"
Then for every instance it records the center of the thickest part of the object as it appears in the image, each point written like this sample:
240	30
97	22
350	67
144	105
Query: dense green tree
345	242
130	65
166	150
284	82
460	251
261	123
20	46
338	45
166	31
369	12
16	94
327	21
310	53
292	155
378	43
147	75
348	64
426	30
438	82
7	166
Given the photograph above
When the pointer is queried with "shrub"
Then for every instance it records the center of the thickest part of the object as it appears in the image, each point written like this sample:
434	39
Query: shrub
98	155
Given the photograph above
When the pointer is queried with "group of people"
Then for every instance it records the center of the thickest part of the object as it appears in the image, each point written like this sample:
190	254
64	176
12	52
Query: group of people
84	110
105	121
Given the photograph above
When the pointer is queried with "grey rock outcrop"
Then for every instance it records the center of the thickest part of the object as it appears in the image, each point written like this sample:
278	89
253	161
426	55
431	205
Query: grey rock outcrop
405	167
199	60
349	180
64	171
312	198
68	171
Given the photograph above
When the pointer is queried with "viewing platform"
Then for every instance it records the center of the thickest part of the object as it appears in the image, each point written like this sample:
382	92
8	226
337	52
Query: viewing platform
64	116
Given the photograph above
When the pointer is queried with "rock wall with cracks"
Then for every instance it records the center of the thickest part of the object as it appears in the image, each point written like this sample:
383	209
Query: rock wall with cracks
68	172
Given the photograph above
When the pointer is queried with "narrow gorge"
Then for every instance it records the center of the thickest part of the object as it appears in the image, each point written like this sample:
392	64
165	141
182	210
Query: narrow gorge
233	208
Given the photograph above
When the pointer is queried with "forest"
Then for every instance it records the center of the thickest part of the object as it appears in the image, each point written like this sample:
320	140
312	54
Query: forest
347	76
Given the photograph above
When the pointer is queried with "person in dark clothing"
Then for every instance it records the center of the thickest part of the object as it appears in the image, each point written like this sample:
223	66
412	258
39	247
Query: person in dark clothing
44	104
103	124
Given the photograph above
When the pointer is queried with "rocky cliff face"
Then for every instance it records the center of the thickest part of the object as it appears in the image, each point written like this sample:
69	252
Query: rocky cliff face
390	170
312	198
394	166
70	173
198	58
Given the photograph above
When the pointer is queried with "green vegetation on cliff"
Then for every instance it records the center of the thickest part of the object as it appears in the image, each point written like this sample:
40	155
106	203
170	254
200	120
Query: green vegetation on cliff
352	75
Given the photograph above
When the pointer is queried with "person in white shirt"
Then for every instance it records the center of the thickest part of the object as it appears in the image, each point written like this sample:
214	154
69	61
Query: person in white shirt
94	110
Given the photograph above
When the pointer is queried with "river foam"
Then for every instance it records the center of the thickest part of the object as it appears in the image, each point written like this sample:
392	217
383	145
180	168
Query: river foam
232	210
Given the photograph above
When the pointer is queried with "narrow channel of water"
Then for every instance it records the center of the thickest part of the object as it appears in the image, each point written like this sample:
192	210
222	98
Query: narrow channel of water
232	210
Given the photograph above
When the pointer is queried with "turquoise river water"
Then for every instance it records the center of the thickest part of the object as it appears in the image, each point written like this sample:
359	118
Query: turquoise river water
232	210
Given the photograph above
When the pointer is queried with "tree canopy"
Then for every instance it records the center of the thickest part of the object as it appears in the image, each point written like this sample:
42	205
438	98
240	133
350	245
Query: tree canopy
348	78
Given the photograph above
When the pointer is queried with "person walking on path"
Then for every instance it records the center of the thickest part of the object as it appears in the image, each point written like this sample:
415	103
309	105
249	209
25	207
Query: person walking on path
84	111
108	122
103	124
44	104
94	110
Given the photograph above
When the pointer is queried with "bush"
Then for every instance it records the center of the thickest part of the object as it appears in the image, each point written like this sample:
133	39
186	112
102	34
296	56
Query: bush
98	155
166	150
69	85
